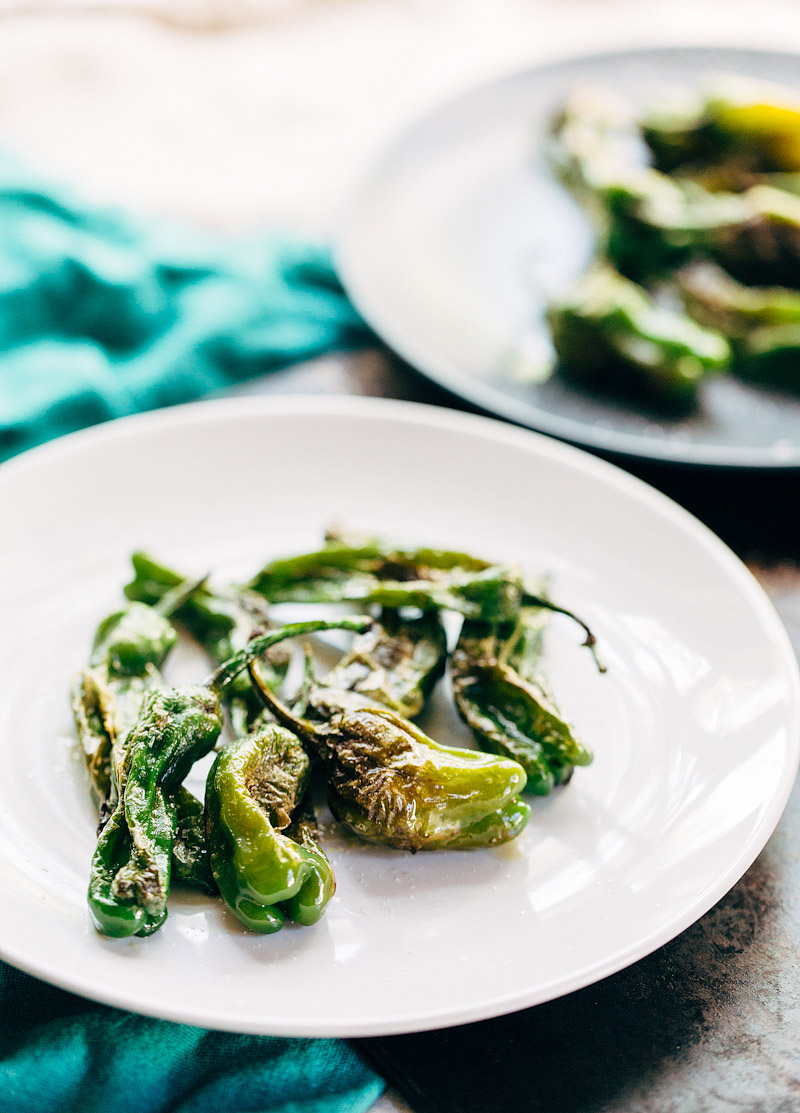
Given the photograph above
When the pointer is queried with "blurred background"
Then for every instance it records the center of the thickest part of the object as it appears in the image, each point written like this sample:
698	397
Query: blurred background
240	111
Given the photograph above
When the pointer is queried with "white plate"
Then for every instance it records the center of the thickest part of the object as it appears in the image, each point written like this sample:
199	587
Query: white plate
459	234
695	725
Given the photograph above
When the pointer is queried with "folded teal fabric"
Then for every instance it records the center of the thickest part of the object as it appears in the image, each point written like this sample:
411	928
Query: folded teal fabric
61	1054
102	315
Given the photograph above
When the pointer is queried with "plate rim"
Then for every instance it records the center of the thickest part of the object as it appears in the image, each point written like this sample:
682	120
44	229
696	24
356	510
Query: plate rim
488	400
492	430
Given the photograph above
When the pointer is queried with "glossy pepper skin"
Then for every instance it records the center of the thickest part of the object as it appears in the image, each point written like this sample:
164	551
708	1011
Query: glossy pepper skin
223	622
395	663
646	222
649	223
129	648
761	322
369	572
738	127
610	335
266	869
131	867
502	695
392	785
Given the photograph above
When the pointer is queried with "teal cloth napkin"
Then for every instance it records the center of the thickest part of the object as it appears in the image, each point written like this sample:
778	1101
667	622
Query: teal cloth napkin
61	1054
102	315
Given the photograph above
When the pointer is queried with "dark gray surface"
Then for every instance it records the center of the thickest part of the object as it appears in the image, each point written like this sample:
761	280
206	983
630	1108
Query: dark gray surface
707	1024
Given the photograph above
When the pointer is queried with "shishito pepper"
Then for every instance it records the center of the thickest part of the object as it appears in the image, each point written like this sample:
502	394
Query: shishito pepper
738	126
762	323
369	572
610	335
131	867
501	693
129	648
395	663
222	622
265	868
392	785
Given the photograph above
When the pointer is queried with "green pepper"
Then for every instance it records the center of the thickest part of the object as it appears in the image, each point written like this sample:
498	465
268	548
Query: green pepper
392	785
129	648
130	875
395	663
369	572
610	335
264	874
131	867
763	247
742	125
647	223
222	622
502	695
762	323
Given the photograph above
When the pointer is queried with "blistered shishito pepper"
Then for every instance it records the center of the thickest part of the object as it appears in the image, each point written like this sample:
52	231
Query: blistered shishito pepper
739	126
611	336
368	572
131	867
392	785
761	322
647	223
222	622
263	873
395	663
130	875
129	648
502	695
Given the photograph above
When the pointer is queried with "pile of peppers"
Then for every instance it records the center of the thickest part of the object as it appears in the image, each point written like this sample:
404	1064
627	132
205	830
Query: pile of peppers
254	840
696	209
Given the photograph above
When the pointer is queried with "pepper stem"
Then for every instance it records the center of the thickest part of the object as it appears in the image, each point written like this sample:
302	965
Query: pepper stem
257	647
529	599
174	599
282	713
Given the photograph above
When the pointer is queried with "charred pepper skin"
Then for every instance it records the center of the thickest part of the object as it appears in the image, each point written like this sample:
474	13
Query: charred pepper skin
369	572
266	869
129	648
394	786
395	663
502	695
609	335
738	127
222	622
762	323
131	868
130	875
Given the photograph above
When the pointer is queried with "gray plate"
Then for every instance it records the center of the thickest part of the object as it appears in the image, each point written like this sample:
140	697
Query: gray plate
459	233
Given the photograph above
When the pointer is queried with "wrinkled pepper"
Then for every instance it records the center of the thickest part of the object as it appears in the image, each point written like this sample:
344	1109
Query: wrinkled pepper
369	572
502	695
392	785
610	335
129	648
266	867
762	323
739	127
131	867
222	622
395	663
